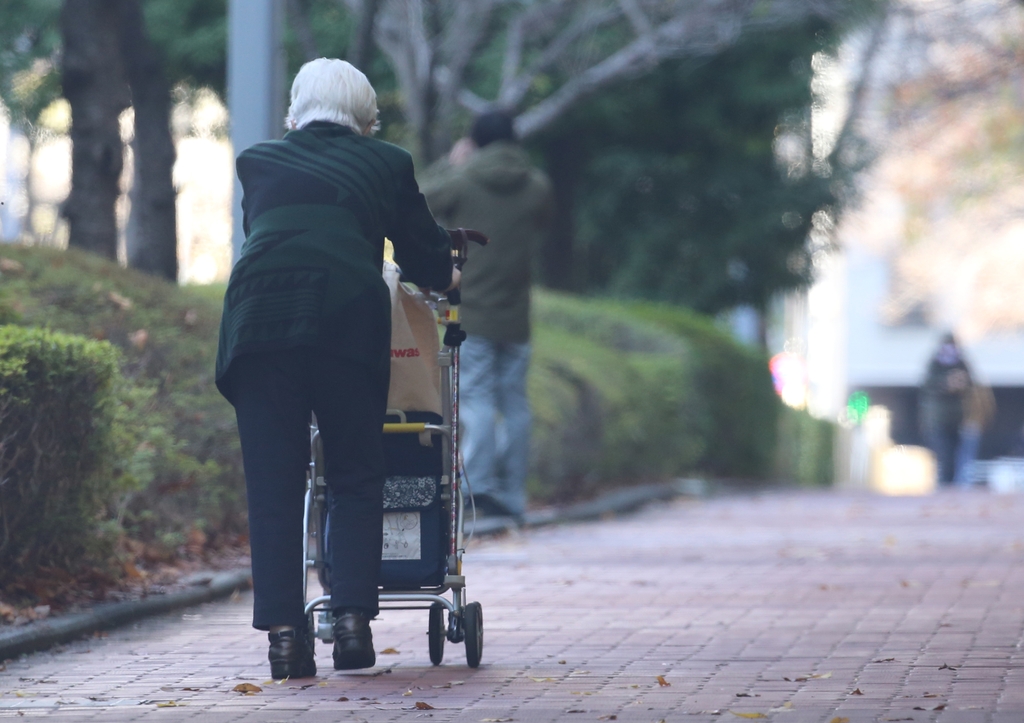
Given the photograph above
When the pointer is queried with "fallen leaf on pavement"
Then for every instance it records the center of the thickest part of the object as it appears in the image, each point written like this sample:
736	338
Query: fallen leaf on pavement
169	704
408	692
575	710
857	691
608	717
542	680
748	715
786	707
820	676
247	688
662	682
946	666
343	699
389	651
886	660
840	719
941	706
420	705
561	662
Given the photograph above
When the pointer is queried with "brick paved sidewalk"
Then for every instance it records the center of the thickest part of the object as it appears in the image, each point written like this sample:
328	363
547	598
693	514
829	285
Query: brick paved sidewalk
791	607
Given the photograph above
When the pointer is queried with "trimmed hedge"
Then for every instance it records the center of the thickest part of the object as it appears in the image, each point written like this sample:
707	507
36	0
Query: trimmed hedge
180	462
624	392
57	441
621	392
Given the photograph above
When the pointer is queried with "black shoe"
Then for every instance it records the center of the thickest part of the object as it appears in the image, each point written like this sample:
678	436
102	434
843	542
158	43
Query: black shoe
291	655
353	642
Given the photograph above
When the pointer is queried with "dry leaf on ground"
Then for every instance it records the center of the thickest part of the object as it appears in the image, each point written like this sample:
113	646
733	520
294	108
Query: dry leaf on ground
169	704
543	680
389	651
748	715
840	719
662	682
420	705
247	688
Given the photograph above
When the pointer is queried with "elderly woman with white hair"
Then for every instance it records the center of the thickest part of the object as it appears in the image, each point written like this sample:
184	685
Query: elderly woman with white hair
306	328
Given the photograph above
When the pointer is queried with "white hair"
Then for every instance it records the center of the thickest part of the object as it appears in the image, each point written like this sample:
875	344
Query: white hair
332	90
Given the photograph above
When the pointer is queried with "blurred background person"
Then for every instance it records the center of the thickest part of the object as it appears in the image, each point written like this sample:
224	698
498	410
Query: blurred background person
943	397
979	411
490	185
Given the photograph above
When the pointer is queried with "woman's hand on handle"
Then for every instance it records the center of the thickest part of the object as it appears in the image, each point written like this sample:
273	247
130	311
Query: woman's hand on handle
456	279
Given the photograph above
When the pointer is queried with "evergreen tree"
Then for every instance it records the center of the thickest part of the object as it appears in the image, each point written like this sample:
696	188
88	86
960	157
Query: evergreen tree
671	185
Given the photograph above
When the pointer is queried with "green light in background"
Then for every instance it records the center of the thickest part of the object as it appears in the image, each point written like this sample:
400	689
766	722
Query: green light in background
857	407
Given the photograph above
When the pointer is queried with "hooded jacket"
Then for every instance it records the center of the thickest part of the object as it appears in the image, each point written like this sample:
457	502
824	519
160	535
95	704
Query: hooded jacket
501	194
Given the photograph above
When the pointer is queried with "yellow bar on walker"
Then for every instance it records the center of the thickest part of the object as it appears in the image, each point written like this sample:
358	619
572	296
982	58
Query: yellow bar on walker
405	427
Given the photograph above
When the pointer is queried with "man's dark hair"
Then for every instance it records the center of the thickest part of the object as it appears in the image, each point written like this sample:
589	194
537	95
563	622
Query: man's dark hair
495	125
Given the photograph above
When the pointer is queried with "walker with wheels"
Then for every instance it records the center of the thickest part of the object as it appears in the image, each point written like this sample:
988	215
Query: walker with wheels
423	506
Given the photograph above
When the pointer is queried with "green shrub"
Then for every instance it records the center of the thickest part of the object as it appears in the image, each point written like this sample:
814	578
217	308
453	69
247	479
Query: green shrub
805	451
179	454
736	386
612	400
57	412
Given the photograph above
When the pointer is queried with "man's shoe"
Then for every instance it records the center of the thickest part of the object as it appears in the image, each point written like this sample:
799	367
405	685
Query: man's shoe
291	655
353	642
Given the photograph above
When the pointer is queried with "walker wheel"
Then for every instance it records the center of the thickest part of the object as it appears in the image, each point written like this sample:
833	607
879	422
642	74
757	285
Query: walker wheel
436	633
474	616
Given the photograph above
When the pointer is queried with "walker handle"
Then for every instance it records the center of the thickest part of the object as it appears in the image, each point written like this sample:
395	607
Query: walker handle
460	243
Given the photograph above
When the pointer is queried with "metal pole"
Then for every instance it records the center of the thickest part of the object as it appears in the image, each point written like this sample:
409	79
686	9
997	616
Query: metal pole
255	88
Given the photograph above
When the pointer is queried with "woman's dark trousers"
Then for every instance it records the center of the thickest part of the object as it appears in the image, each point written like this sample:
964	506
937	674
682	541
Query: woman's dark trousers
274	394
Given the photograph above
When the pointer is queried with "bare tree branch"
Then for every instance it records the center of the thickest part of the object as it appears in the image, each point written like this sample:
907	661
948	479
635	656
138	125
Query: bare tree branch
513	94
690	33
637	18
860	89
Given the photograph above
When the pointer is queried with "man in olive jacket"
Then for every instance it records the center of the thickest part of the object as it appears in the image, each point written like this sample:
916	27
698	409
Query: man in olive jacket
496	190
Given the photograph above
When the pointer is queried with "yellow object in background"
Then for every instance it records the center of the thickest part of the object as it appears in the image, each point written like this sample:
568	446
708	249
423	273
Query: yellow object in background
904	470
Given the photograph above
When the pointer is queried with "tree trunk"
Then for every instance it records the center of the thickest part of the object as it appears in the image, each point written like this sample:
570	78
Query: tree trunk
152	238
94	83
565	163
360	47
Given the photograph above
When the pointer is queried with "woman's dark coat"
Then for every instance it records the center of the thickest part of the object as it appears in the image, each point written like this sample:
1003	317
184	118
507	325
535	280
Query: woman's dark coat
316	208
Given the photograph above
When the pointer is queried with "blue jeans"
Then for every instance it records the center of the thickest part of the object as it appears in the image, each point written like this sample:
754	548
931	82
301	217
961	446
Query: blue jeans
495	414
967	453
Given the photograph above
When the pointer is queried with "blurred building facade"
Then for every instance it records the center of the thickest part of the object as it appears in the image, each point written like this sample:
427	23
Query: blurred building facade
934	239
